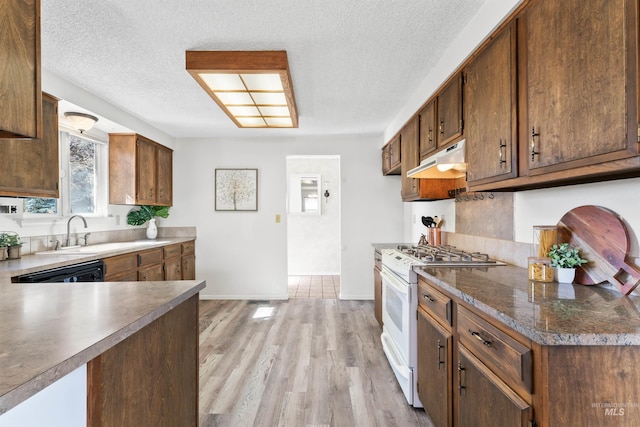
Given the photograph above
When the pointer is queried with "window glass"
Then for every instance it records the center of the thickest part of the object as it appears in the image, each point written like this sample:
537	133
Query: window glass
82	175
38	205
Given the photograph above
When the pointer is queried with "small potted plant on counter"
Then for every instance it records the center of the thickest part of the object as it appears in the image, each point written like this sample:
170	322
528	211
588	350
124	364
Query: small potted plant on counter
566	258
4	246
148	213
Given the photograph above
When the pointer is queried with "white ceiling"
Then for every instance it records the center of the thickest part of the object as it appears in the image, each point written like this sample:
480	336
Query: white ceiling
353	62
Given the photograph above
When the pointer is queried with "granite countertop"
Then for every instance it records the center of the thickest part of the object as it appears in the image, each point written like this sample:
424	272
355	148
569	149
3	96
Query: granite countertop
33	263
48	330
548	313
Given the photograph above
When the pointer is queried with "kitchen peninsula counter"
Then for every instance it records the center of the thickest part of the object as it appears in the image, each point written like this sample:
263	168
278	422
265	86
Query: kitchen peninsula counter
48	330
547	313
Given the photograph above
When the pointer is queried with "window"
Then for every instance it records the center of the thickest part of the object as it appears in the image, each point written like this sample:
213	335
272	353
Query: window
83	180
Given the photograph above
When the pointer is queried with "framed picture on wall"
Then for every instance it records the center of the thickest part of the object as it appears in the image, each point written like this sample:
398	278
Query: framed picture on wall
236	189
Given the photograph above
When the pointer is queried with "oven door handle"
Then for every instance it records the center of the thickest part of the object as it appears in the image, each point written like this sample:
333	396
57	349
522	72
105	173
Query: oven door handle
401	287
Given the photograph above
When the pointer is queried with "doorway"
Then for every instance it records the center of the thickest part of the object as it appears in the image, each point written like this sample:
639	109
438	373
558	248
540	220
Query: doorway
313	226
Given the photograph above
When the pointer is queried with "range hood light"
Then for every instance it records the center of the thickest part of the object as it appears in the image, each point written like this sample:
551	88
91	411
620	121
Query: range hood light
445	167
445	164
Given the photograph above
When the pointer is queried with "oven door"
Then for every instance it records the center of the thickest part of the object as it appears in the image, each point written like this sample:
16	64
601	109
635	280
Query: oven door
396	306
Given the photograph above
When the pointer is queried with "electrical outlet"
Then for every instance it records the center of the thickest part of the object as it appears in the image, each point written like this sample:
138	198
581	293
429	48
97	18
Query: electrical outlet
277	218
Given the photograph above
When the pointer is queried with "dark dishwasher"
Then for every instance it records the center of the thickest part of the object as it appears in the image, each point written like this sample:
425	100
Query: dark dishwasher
92	271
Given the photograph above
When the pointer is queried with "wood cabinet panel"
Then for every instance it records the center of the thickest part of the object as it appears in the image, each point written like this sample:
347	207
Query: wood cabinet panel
140	171
121	268
172	251
428	132
490	111
189	248
173	269
391	157
32	166
150	378
450	111
484	400
578	83
435	303
511	360
435	369
151	274
377	292
20	79
410	159
150	257
189	267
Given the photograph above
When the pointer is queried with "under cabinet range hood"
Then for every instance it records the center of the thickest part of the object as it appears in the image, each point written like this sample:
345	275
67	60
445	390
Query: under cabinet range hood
448	163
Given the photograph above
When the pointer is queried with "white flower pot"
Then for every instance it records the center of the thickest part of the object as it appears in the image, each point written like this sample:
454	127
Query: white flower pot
566	275
152	229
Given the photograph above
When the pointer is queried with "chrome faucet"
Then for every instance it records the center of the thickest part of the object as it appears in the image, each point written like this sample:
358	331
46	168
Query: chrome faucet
69	225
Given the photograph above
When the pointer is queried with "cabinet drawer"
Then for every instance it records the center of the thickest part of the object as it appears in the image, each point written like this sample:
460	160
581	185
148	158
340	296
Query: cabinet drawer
150	257
508	358
189	248
116	266
434	302
172	251
377	260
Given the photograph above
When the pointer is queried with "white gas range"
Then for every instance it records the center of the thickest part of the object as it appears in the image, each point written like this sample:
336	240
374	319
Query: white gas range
400	302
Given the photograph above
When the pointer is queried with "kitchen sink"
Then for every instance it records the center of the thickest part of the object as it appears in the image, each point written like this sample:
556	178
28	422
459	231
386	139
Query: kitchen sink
103	247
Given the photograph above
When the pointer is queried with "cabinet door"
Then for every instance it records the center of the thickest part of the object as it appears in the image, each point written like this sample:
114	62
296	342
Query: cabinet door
450	112
154	273
32	168
409	147
164	196
173	269
434	370
395	156
146	172
120	268
20	96
490	111
578	83
483	399
189	267
428	133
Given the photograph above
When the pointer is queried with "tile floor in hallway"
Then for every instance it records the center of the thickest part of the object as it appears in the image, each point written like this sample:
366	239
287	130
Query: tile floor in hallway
314	287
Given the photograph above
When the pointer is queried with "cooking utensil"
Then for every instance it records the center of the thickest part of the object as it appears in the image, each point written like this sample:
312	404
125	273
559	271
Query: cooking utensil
428	221
603	240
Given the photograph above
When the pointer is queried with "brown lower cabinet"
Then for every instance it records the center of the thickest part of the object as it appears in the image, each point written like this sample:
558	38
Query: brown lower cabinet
475	371
172	262
150	378
377	287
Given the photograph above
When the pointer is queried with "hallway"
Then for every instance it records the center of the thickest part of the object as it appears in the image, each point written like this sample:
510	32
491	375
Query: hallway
327	287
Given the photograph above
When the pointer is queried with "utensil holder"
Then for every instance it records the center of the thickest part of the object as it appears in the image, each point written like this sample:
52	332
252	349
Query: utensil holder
435	236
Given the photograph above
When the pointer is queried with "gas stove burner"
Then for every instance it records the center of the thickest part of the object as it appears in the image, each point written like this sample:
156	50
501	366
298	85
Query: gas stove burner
446	255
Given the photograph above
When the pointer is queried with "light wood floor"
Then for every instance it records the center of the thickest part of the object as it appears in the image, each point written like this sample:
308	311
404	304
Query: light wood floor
310	362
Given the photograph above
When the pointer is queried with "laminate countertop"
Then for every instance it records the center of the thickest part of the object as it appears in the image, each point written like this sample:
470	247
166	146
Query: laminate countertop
548	313
48	330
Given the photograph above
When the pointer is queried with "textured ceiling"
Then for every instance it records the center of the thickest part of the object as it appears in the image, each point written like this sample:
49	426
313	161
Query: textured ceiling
353	62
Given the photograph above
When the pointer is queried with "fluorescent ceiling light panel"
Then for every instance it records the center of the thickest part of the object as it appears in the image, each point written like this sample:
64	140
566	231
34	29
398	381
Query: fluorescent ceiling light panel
253	88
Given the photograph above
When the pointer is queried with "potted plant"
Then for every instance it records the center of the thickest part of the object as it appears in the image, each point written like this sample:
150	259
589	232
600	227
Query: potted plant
148	213
4	246
14	244
566	259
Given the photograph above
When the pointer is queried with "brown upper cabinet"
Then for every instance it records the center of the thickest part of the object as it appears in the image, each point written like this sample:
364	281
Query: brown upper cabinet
391	157
450	122
21	96
140	171
32	168
578	90
420	189
428	132
490	111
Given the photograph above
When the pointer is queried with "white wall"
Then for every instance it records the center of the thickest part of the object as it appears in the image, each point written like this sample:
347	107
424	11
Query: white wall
313	241
244	254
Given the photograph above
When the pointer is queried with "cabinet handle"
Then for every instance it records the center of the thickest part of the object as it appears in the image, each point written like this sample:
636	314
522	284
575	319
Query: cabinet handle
428	298
440	361
534	135
460	371
430	135
478	337
501	152
441	126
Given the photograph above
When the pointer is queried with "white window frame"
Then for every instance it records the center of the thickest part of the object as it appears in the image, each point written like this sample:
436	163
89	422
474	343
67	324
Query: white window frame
102	179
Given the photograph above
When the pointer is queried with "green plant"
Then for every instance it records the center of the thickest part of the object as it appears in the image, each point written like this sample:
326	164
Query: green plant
565	256
145	213
3	240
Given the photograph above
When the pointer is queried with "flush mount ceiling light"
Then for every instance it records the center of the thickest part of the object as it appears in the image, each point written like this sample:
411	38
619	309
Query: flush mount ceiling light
81	121
252	87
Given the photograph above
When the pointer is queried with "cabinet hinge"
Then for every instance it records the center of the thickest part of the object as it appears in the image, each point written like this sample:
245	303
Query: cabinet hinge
418	387
461	124
532	423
